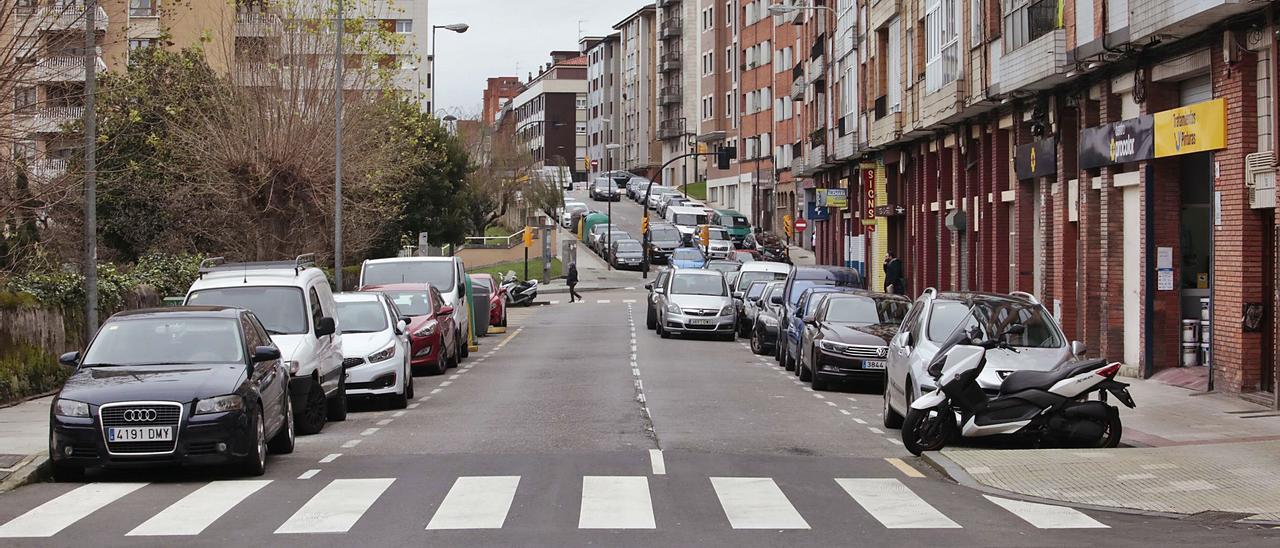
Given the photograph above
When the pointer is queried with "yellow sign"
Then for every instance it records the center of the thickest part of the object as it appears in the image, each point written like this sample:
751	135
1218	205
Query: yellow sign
1193	128
706	236
644	223
702	148
528	236
786	225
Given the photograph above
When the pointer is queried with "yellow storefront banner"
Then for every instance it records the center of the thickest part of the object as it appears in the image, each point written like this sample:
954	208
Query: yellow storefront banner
1193	128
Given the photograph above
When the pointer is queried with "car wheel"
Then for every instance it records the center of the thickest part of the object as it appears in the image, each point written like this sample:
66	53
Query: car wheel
464	351
282	443
650	318
802	370
820	383
68	473
891	418
662	331
255	463
398	401
408	380
338	403
755	344
311	419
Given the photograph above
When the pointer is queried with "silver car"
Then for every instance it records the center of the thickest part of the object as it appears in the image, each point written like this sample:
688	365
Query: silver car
721	245
695	301
933	318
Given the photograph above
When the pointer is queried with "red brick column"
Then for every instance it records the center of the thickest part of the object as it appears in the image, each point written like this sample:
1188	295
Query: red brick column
1110	246
1064	233
1021	223
931	241
1000	221
1164	186
1089	237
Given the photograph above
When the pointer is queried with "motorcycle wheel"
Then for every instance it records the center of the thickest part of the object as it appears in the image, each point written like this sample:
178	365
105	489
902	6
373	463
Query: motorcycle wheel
927	430
1112	430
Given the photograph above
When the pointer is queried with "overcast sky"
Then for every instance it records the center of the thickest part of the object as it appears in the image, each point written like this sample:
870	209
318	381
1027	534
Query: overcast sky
510	38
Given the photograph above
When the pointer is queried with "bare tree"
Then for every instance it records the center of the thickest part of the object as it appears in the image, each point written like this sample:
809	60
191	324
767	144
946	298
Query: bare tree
502	168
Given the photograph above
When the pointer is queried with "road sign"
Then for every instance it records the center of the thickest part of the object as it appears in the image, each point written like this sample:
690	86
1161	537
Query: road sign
890	210
801	224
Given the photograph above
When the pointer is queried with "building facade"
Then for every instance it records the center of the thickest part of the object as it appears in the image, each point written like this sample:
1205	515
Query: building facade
497	93
550	114
718	103
603	96
641	151
680	65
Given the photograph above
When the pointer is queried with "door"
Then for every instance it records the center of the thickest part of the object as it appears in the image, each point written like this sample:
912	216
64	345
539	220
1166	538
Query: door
1132	274
265	374
328	353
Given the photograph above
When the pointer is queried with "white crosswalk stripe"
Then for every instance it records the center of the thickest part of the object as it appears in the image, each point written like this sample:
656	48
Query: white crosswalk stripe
53	516
616	502
756	503
337	507
199	510
1047	516
478	502
894	505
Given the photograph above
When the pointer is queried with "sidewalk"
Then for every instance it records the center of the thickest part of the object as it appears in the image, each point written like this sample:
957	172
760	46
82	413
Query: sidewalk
24	442
1188	453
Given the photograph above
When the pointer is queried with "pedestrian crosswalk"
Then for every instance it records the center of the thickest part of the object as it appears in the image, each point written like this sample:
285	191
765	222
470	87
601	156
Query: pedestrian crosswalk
490	502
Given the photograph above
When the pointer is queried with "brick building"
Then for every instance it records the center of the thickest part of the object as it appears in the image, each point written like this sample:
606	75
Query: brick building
497	93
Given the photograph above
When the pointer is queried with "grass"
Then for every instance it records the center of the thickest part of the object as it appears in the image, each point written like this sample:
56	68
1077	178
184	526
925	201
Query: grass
697	191
498	232
535	269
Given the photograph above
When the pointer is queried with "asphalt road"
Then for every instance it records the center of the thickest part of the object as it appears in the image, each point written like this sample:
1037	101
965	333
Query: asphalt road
579	427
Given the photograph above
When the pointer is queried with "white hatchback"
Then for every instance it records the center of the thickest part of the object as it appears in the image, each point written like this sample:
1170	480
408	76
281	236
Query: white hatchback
375	348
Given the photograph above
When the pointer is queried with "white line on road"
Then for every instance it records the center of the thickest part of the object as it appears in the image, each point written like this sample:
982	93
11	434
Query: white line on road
337	507
455	376
1045	516
437	391
831	403
616	502
330	458
476	502
894	441
198	510
851	398
370	431
398	414
53	516
894	505
859	421
350	444
555	302
819	396
659	464
414	405
843	412
424	398
629	301
635	371
385	422
602	301
756	503
309	474
875	430
445	383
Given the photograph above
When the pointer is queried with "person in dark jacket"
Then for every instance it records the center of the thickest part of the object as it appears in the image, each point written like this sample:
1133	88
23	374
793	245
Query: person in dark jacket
572	282
893	280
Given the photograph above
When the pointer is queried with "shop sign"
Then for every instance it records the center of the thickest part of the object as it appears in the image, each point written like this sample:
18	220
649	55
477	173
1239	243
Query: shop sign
869	207
890	210
816	211
834	197
1117	143
1193	128
1036	159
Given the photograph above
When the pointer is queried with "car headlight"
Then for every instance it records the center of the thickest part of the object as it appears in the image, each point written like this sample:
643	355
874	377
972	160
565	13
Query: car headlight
70	408
831	346
673	308
727	311
293	366
219	404
426	331
384	354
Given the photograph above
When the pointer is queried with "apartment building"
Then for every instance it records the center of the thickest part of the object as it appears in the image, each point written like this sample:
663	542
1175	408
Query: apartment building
497	93
603	96
638	92
680	65
718	102
550	115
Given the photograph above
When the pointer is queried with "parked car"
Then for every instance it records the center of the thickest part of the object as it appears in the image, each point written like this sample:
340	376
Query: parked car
723	265
497	299
651	300
664	238
596	235
745	256
640	193
183	385
671	200
695	301
626	254
656	196
293	301
803	277
736	224
615	235
748	308
793	326
1040	347
847	337
768	247
764	332
719	246
760	271
604	189
446	274
376	348
433	331
566	214
687	257
687	220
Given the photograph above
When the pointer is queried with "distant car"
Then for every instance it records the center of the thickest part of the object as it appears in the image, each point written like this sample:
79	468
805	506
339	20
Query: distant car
847	337
695	302
735	223
793	324
566	215
186	385
375	348
626	254
723	265
433	331
748	308
497	299
768	314
651	312
668	201
760	271
719	246
596	235
663	240
615	235
686	219
744	256
604	189
446	274
655	197
688	257
800	278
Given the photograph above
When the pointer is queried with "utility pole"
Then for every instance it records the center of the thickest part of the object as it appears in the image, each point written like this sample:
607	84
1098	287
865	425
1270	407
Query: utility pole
90	170
337	173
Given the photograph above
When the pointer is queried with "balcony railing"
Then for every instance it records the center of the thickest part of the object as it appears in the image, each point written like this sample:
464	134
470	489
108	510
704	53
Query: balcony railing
70	15
817	69
48	168
670	61
665	3
798	89
671	128
256	23
63	68
670	28
818	137
670	95
54	119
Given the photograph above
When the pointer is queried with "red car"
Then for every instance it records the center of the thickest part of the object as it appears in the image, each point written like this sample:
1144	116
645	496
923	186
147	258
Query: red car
497	299
434	337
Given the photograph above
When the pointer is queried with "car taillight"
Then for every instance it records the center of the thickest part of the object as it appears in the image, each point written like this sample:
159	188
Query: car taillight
1109	370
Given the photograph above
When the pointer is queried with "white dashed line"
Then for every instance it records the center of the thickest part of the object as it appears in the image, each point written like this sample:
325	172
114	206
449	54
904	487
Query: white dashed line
370	431
330	458
309	474
555	302
875	430
894	441
859	421
385	422
424	398
351	444
414	405
603	301
398	414
831	403
454	377
445	383
842	411
819	396
437	391
851	398
659	465
629	301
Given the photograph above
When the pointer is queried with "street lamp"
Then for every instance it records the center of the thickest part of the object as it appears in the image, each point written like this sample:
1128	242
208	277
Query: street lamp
454	27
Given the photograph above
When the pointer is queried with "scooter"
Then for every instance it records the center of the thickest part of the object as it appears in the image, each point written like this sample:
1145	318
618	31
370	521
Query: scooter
519	293
1048	407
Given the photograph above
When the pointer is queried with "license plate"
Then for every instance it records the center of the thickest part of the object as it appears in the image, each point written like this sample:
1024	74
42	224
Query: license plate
140	433
868	364
700	322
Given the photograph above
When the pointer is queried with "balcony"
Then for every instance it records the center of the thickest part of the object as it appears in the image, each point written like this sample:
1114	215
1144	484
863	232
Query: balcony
882	11
846	147
48	169
670	95
1039	64
670	28
55	119
817	69
253	24
70	16
798	89
885	129
671	129
62	68
818	137
665	3
1148	18
670	61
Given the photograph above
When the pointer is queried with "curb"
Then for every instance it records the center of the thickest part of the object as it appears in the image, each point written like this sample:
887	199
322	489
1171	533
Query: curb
955	472
35	468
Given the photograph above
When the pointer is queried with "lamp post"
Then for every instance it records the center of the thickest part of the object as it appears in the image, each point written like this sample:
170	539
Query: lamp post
432	84
337	148
618	179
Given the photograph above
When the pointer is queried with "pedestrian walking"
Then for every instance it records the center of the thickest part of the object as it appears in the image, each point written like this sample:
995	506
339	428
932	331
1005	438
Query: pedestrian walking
572	282
893	280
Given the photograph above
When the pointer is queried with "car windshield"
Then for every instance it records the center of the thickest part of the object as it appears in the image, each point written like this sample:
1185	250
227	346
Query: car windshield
756	290
698	285
437	273
664	234
993	318
629	246
410	303
166	341
718	234
724	266
737	222
687	254
362	316
281	310
689	219
812	304
866	311
758	276
798	287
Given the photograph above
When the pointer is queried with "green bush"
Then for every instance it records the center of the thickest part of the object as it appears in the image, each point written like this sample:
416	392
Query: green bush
64	289
27	370
169	274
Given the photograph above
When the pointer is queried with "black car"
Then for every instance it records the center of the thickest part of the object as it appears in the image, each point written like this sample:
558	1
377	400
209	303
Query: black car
768	314
186	385
847	337
663	239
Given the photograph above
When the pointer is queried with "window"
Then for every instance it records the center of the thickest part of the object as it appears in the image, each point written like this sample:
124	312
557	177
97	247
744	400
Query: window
24	98
728	14
894	61
580	103
142	8
404	26
138	43
580	128
708	63
25	7
728	104
708	18
728	60
942	65
24	150
1024	21
911	56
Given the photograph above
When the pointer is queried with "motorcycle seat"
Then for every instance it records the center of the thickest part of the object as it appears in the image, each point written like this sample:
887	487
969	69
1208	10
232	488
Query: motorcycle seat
1028	380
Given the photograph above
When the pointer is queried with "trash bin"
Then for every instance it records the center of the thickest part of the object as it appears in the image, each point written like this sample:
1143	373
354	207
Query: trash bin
480	309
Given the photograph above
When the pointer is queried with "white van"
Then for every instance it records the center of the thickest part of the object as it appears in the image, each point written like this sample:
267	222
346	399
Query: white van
686	219
293	301
446	274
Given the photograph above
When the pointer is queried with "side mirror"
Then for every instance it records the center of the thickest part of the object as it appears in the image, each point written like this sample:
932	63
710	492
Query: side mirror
811	319
776	299
648	286
326	326
737	295
1078	349
265	354
401	325
659	290
905	339
70	359
445	311
462	290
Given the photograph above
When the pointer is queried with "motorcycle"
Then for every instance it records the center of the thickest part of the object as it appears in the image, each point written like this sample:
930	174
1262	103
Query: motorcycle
519	293
1048	407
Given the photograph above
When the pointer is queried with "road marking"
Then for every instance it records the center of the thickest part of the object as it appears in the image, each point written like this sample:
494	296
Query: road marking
851	398
309	474
398	414
831	403
330	458
370	431
602	301
875	430
633	348
385	422
659	464
819	396
1046	516
630	289
616	502
894	505
635	371
903	467
640	396
53	516
414	405
509	337
894	441
629	301
844	412
476	502
351	444
455	376
198	510
756	503
555	302
437	391
337	507
467	368
424	398
859	421
445	383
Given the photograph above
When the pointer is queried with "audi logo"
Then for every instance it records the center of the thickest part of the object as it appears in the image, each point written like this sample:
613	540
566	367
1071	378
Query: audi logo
139	415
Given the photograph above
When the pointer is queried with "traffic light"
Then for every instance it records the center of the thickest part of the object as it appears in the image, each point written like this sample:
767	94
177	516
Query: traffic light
724	155
528	237
644	223
706	236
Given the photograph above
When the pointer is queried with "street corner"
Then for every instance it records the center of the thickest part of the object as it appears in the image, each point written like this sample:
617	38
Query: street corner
19	470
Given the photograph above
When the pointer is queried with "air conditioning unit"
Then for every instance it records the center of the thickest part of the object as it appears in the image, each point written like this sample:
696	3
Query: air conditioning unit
1260	179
